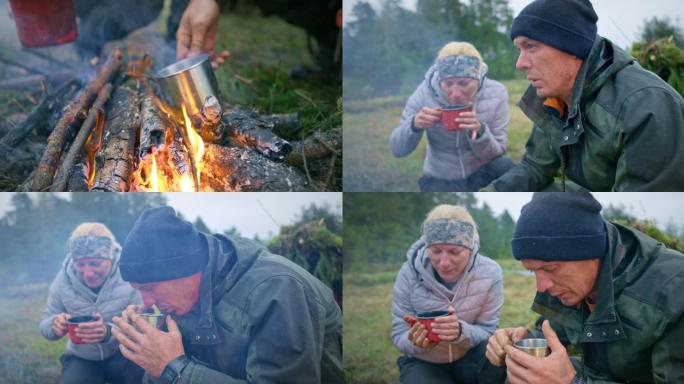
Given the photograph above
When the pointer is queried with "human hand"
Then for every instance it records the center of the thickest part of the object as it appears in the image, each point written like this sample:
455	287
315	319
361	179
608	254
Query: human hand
468	121
59	324
418	334
427	118
501	338
556	368
447	327
92	332
197	31
147	346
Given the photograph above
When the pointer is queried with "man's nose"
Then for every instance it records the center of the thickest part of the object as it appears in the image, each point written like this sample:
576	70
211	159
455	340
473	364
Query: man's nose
148	299
543	282
523	62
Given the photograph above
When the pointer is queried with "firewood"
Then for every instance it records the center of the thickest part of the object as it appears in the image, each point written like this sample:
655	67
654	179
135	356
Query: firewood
39	115
317	146
244	169
73	116
245	128
153	127
118	151
96	115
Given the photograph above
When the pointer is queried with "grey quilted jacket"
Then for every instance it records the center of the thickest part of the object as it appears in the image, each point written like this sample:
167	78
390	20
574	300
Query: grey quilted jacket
477	297
452	155
69	294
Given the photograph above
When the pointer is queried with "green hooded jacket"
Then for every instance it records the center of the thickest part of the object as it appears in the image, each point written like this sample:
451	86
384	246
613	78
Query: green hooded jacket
260	319
635	333
624	131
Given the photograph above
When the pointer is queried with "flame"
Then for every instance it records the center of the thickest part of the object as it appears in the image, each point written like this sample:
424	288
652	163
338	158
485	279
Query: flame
154	178
186	184
93	144
196	144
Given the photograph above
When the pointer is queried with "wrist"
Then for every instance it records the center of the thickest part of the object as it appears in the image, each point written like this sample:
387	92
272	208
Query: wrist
171	373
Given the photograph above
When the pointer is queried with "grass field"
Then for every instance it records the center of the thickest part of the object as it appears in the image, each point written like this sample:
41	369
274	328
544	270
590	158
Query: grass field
368	162
369	355
25	356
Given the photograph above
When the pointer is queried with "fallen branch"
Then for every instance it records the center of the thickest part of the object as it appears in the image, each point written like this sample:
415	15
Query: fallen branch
96	114
315	147
73	115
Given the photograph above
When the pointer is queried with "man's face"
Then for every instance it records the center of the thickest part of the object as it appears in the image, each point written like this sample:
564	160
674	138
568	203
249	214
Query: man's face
93	271
459	90
448	260
551	71
172	296
569	281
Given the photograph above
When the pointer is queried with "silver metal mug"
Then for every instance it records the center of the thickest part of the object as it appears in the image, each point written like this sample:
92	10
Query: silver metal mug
188	82
534	347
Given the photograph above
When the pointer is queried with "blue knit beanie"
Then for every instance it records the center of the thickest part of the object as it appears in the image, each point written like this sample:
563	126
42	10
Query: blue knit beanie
162	246
567	25
560	226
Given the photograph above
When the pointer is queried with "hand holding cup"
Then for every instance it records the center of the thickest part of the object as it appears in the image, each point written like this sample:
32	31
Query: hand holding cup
59	324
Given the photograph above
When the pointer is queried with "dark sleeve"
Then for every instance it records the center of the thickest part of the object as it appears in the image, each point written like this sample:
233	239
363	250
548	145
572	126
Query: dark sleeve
535	171
652	156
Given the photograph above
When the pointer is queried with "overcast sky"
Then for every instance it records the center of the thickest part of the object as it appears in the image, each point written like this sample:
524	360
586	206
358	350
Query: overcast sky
661	207
619	20
248	212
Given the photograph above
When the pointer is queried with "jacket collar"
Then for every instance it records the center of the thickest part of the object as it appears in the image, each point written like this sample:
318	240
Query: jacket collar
604	323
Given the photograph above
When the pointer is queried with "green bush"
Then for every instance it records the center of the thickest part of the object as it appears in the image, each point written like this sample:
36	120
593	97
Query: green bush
664	58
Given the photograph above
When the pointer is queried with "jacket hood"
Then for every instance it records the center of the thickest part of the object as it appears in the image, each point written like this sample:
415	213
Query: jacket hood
422	268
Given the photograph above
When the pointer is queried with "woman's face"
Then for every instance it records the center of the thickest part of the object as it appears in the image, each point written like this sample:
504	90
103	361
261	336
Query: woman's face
93	271
459	90
449	260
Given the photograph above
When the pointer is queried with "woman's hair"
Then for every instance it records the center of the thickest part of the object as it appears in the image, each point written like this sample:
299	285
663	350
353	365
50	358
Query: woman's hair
459	48
91	229
447	211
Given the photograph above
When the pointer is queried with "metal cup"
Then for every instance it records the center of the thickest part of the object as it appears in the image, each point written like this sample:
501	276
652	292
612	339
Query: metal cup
534	347
188	83
154	319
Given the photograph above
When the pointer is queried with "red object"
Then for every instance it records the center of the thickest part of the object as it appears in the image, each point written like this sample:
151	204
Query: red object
73	323
338	19
449	114
427	318
42	23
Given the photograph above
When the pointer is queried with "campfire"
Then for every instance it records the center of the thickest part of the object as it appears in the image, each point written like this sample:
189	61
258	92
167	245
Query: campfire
116	132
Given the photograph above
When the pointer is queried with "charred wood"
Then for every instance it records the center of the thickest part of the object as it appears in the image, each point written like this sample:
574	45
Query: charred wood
153	127
320	145
118	151
244	169
95	116
72	117
245	128
39	115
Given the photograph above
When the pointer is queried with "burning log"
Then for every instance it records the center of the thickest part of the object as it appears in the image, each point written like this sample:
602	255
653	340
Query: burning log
95	117
152	129
117	156
73	115
246	128
244	169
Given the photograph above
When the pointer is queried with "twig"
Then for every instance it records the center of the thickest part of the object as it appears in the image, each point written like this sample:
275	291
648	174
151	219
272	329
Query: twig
330	171
48	58
22	66
306	169
95	114
245	80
